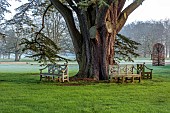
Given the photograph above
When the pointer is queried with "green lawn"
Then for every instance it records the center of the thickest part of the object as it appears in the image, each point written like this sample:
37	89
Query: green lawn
22	92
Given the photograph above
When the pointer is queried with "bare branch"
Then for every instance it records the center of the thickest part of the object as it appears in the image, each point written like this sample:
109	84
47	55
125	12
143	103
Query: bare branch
43	18
126	12
72	5
129	9
68	16
121	3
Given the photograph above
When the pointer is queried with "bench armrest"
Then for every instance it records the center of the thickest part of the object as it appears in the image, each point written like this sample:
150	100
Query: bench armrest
148	68
42	68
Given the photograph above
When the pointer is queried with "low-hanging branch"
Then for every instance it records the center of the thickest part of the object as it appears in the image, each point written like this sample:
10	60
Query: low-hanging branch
125	48
43	48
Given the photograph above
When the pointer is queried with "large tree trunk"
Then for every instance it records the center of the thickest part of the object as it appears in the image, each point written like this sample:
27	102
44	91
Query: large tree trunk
96	64
98	52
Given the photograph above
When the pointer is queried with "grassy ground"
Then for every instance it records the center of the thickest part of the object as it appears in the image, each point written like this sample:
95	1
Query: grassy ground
22	92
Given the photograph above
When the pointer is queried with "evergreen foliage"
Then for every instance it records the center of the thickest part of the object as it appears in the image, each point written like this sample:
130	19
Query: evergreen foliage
125	48
3	8
43	48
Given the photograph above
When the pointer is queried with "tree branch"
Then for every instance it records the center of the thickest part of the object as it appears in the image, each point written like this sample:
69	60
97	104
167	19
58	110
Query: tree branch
68	16
72	5
121	3
43	18
126	12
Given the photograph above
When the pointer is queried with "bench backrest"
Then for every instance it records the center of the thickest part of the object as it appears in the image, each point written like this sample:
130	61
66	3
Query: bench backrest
51	68
113	70
126	69
57	69
62	69
117	69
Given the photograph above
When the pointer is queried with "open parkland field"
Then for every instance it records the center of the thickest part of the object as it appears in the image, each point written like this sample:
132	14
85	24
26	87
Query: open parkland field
22	92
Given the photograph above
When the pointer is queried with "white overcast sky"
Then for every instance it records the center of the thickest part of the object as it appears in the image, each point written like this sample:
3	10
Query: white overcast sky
149	10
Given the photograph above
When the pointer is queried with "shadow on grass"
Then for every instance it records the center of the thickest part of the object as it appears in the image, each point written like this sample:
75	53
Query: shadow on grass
33	78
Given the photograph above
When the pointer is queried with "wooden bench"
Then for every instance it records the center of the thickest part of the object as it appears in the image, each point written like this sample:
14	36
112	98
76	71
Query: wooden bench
55	72
124	73
145	71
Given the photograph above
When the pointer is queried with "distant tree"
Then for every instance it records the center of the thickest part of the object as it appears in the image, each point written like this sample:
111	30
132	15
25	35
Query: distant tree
56	30
167	37
146	33
53	24
12	43
2	44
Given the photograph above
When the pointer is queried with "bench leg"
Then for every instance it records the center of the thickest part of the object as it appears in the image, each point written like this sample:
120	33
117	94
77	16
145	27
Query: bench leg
59	79
48	78
52	78
67	78
123	79
40	77
116	79
151	76
63	78
139	79
111	79
132	79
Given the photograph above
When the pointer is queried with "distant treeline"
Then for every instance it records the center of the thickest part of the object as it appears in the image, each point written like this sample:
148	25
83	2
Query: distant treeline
147	34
